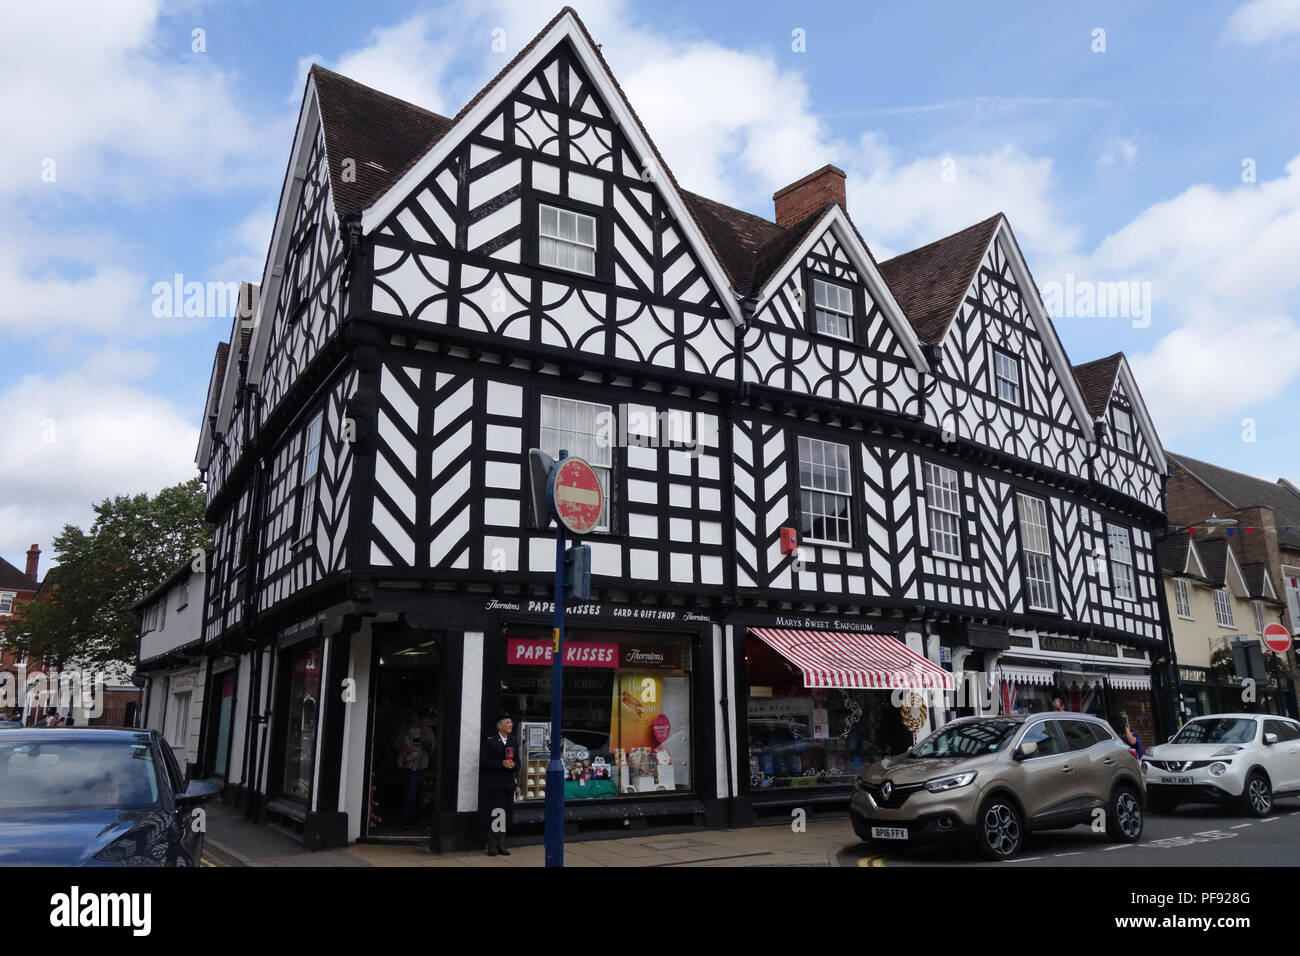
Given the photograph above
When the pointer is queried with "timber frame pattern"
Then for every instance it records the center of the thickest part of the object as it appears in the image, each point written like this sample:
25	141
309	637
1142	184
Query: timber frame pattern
407	332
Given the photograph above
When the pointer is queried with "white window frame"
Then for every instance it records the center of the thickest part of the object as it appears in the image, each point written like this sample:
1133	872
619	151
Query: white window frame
1259	616
943	510
596	447
182	595
1122	429
1036	545
1000	379
308	474
180	719
1123	580
1182	603
1223	608
7	602
558	241
822	304
834	481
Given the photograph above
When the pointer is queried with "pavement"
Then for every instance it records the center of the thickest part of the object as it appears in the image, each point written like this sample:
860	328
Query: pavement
232	840
1193	836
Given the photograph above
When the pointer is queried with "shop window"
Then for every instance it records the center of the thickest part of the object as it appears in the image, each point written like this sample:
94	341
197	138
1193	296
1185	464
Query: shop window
1040	581
584	430
943	510
1181	602
1223	608
808	737
301	715
1121	562
825	488
627	711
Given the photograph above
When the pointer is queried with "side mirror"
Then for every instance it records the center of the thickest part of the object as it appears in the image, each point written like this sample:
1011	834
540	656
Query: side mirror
1270	739
1027	749
198	792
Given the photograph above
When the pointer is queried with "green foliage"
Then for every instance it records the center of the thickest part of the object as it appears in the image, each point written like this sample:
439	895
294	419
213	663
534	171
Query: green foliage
83	612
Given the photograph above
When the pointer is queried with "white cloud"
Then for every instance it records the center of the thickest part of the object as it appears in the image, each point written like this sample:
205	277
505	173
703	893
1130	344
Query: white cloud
901	204
1118	152
1264	21
119	107
81	436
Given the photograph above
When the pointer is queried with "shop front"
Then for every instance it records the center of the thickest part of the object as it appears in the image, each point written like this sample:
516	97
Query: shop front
638	714
822	701
1108	680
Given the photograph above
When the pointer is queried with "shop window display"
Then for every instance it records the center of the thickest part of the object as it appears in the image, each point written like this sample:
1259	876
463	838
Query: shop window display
802	737
303	710
627	711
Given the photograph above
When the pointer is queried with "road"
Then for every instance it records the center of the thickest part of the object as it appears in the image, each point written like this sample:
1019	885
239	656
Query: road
1204	836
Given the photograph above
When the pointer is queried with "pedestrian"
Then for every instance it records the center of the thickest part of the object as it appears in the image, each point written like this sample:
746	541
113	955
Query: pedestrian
413	748
1058	704
51	719
1133	740
70	722
498	782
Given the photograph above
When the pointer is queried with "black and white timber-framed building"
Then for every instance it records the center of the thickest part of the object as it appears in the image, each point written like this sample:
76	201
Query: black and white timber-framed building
441	294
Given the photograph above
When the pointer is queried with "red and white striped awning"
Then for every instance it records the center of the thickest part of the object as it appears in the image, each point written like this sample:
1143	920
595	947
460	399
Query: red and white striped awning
871	661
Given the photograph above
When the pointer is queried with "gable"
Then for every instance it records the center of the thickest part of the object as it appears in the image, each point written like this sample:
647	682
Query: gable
558	99
463	249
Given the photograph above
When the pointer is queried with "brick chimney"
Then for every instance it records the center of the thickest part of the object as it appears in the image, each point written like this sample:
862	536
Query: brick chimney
798	200
33	562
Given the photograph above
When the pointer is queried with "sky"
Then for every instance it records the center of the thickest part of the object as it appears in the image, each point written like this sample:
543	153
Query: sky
1147	149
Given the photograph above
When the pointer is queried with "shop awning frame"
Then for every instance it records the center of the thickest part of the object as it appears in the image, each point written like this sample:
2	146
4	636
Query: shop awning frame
855	661
1034	676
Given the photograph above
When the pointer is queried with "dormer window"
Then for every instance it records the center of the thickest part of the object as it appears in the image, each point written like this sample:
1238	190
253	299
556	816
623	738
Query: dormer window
1006	374
1123	429
566	240
833	309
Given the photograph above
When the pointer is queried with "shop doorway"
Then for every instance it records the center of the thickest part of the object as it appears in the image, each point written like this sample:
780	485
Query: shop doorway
221	713
404	719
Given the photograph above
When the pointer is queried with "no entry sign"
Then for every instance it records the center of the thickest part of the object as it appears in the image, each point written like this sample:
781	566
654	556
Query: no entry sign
576	492
1277	638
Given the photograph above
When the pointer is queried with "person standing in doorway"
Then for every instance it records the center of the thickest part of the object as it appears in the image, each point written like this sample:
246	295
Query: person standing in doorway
413	747
497	784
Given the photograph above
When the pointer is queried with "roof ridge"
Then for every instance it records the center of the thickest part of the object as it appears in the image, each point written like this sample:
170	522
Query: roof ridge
943	239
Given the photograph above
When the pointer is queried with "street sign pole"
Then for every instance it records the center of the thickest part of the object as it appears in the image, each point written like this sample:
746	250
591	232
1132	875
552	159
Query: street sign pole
555	768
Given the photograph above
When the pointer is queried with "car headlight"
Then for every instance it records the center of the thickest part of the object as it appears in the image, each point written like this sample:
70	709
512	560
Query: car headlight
950	782
1218	769
1228	751
1146	765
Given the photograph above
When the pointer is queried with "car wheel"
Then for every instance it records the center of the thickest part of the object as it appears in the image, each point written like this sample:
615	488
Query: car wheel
1124	816
1257	797
1161	805
1000	831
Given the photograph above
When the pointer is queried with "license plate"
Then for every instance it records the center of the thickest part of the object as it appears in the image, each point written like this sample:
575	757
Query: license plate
888	833
1185	778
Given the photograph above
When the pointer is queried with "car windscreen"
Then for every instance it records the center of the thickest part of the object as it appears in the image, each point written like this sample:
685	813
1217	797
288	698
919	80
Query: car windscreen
1222	730
78	775
967	740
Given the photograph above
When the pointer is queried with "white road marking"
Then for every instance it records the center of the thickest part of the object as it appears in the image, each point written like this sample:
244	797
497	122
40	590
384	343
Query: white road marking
1026	859
1240	825
1119	846
1268	820
1075	853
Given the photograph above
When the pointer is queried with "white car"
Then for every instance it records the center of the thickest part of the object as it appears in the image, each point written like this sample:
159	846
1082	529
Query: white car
1246	759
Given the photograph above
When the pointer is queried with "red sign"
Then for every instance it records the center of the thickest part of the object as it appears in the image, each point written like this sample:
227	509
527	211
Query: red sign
576	654
577	494
661	728
1277	638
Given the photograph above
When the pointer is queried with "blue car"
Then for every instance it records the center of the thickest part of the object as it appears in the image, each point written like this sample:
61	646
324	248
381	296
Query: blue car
92	797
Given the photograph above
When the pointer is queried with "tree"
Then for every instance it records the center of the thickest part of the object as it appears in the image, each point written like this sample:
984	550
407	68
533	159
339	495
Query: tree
83	612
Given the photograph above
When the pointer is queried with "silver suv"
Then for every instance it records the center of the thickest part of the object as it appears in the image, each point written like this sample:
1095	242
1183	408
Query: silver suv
994	779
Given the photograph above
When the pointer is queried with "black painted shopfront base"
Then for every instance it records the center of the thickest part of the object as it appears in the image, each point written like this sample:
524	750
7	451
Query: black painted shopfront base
775	808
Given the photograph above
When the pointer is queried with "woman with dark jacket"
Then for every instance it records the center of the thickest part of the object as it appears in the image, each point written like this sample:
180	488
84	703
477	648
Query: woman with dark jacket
498	781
